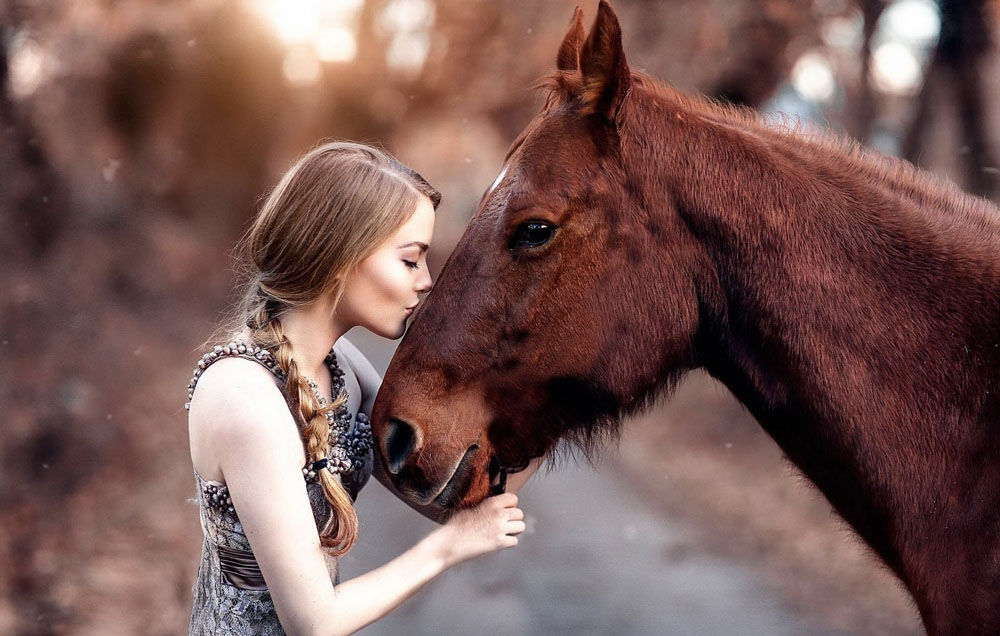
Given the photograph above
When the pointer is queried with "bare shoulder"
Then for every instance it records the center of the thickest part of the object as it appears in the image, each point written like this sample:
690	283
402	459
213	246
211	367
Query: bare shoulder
235	385
237	407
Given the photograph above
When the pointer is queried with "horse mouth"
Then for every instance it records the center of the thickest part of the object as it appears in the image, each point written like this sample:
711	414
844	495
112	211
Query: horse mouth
458	483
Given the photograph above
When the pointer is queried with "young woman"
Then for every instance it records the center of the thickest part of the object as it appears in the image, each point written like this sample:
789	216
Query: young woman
280	439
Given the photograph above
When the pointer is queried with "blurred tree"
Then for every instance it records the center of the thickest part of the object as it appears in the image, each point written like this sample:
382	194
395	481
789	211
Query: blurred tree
866	105
957	64
764	44
33	189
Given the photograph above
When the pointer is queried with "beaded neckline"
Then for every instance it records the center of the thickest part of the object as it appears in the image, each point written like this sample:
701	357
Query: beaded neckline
348	446
236	348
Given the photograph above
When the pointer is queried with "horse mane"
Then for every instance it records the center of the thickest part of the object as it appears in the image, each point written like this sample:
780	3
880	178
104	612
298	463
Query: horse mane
568	87
790	134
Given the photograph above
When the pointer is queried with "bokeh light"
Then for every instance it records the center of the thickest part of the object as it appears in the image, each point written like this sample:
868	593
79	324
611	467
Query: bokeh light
844	32
336	44
407	25
302	66
915	22
812	77
903	38
30	66
895	69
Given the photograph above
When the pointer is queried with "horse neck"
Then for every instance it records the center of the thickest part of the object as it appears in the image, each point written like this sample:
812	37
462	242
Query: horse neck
859	329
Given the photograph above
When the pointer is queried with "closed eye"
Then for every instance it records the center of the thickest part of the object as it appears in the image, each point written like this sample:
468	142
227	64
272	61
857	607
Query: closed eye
532	234
411	264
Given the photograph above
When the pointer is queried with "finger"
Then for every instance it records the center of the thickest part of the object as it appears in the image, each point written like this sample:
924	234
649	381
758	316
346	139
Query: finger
515	514
507	499
508	542
515	527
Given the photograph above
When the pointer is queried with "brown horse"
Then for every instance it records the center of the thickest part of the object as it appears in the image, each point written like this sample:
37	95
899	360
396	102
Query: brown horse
849	300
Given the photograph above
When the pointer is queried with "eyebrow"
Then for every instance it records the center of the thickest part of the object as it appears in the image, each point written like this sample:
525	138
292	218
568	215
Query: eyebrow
423	246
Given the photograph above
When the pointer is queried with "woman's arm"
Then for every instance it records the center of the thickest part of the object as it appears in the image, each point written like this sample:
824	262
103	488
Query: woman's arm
257	445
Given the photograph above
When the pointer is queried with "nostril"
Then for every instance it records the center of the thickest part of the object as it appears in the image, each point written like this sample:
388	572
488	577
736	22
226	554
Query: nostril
400	442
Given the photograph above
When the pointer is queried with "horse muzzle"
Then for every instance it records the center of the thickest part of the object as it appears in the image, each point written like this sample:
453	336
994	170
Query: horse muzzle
423	476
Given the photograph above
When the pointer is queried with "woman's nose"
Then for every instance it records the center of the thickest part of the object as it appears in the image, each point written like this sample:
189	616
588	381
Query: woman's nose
424	284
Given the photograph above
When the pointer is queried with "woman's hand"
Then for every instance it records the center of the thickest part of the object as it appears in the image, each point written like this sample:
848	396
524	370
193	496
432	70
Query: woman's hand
492	525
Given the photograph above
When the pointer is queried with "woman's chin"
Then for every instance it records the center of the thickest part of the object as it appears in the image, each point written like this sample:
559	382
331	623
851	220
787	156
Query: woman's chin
401	331
389	332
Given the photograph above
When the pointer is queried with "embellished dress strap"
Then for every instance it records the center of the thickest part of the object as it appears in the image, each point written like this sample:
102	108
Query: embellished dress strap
350	447
234	349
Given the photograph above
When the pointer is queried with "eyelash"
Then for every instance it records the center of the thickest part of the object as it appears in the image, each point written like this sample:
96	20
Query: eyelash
412	264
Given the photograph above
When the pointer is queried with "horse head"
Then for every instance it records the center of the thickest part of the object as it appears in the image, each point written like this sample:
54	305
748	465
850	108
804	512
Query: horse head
568	301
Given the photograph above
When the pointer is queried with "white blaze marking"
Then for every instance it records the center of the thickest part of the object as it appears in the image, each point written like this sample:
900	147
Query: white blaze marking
499	178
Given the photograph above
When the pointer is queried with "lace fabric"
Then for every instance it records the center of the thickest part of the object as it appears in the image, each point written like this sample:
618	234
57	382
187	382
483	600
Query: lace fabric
221	608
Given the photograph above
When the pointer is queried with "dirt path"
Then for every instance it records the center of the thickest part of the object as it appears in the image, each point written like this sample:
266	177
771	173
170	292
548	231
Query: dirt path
598	560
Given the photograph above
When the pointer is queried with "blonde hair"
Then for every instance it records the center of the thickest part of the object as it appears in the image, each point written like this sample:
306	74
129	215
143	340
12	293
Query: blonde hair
329	211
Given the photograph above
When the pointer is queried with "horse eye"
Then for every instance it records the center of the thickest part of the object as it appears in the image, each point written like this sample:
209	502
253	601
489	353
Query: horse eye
532	234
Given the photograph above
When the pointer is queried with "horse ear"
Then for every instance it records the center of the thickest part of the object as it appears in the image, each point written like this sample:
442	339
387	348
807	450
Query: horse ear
569	51
606	75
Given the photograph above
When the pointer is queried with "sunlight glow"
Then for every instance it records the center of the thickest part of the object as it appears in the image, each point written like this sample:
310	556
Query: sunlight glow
812	77
329	28
315	31
336	44
407	52
302	67
296	21
408	23
403	15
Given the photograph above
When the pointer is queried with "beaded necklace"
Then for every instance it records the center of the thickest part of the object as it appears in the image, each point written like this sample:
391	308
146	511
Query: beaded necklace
348	447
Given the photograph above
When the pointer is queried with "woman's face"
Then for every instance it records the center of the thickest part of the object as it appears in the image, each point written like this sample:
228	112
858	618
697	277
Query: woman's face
384	290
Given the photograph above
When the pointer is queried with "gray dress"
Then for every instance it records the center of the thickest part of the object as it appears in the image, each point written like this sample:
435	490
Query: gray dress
230	594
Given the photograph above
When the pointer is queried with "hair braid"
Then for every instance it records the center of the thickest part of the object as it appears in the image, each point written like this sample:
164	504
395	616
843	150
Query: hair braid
341	532
327	213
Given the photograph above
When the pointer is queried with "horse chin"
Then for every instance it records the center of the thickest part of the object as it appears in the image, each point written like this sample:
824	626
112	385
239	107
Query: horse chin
467	485
477	490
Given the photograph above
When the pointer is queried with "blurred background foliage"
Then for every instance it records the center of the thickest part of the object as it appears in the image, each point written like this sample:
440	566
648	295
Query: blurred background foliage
138	136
